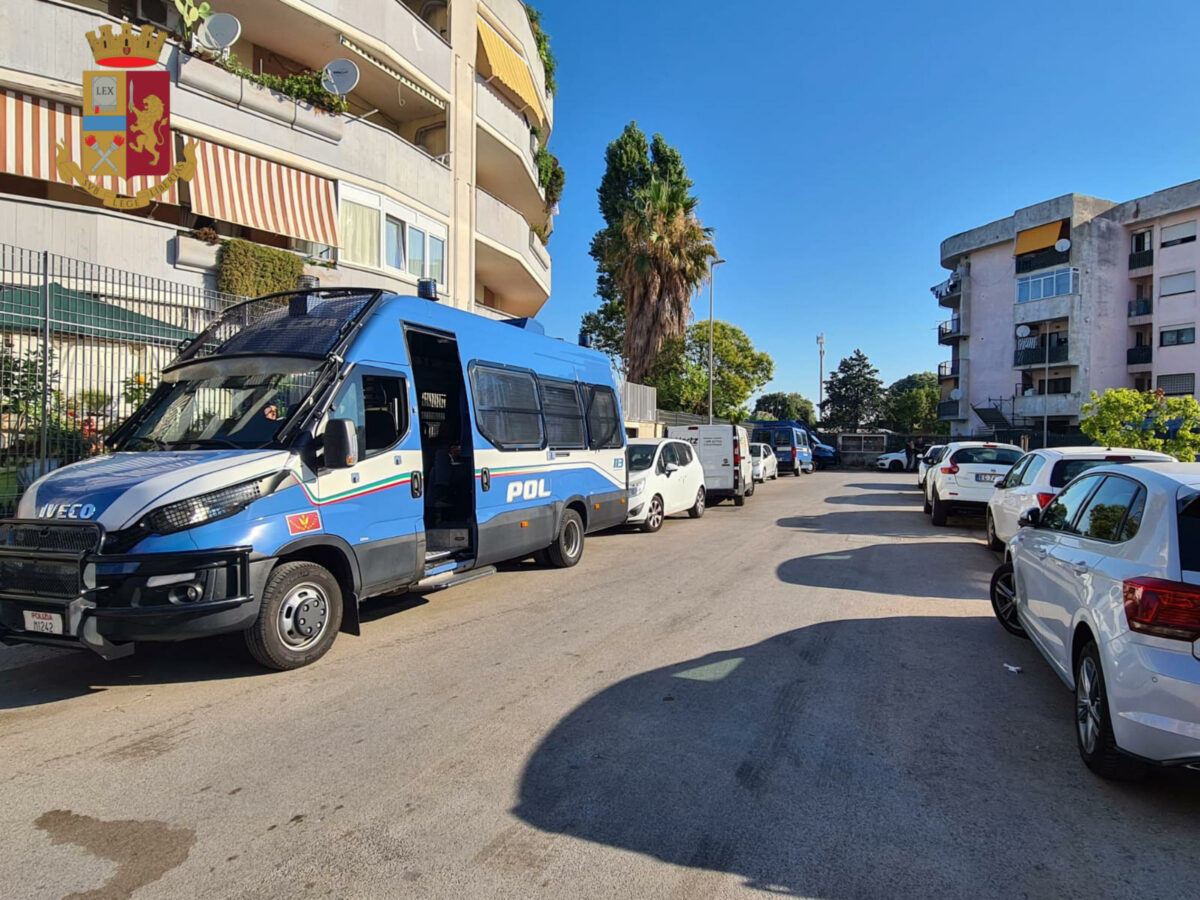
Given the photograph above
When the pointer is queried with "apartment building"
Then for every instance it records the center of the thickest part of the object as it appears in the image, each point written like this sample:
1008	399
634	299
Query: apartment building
1064	297
431	173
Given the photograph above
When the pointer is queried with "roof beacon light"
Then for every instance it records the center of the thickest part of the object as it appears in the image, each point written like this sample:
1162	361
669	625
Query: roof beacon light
427	289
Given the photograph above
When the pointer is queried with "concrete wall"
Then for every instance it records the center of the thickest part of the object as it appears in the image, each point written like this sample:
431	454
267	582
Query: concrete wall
988	350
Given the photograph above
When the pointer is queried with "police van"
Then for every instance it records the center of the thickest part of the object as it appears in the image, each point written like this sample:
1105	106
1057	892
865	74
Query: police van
790	441
307	451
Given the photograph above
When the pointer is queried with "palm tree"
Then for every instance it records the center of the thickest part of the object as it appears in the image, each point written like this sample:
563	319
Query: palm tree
660	261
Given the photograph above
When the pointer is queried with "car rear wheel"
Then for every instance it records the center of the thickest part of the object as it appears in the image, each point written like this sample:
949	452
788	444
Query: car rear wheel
1093	724
939	510
993	542
697	509
654	515
1004	600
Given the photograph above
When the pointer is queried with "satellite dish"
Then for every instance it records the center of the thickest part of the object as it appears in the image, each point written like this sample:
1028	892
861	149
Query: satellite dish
220	31
340	76
1062	245
956	394
1022	331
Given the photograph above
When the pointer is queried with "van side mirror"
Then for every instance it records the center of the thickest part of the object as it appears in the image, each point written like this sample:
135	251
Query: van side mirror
1031	518
341	444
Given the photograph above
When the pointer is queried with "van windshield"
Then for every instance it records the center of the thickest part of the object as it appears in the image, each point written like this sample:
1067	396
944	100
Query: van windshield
641	456
217	408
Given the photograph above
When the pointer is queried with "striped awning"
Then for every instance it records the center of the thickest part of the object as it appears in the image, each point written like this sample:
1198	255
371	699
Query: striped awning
236	187
31	129
501	62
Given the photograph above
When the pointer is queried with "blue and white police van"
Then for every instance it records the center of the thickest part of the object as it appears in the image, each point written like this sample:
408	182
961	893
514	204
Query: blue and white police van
789	440
307	451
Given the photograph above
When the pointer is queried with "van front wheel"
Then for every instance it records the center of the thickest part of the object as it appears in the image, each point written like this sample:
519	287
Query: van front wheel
298	618
567	548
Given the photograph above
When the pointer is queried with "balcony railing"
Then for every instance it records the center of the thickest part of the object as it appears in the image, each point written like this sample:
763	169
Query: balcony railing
1141	307
1136	356
1036	356
948	409
1141	258
948	369
949	331
1043	259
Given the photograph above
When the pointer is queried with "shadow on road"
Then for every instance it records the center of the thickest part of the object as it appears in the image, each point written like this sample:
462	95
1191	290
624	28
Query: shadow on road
907	487
879	524
907	570
907	499
876	757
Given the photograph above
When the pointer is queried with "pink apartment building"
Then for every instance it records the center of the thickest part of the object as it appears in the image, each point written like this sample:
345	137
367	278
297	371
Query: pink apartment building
1064	297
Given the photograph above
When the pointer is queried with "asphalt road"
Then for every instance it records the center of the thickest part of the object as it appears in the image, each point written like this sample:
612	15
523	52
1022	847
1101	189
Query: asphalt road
806	696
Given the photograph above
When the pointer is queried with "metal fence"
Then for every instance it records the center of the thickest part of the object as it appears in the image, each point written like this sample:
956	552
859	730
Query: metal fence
668	417
81	345
639	402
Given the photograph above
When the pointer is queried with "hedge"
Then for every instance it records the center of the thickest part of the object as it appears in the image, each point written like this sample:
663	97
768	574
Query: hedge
251	270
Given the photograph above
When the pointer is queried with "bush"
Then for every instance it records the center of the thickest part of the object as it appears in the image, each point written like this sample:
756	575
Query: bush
251	270
304	86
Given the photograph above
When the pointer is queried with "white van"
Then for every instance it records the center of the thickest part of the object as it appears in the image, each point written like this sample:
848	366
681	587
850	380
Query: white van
724	451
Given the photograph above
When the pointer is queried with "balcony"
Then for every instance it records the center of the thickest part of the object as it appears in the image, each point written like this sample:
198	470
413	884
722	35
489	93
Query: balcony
949	409
950	331
1034	406
1037	356
510	260
1141	307
1139	356
1141	259
949	369
505	155
949	292
1042	259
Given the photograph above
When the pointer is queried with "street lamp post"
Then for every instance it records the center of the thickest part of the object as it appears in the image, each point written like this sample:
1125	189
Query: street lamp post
820	373
712	268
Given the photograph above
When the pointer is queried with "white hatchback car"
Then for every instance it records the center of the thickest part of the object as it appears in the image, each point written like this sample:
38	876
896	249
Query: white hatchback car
665	477
926	462
893	462
965	476
763	462
1039	475
1106	582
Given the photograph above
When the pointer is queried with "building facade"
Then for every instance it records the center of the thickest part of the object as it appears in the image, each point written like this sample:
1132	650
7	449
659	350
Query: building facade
432	172
1064	297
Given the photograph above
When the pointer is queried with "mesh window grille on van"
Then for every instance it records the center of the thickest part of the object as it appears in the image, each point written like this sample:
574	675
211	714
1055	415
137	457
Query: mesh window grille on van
506	408
604	426
563	413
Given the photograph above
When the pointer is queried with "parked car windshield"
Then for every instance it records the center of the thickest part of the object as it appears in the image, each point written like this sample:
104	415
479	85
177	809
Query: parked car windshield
222	407
986	456
641	456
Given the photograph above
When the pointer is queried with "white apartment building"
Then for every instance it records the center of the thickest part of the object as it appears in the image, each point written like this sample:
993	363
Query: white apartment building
1064	297
430	174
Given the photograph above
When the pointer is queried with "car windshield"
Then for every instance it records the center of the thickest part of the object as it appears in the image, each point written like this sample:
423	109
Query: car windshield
223	406
641	456
986	456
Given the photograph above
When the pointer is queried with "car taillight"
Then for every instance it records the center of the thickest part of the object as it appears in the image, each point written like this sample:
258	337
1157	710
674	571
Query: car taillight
1044	499
951	469
1168	609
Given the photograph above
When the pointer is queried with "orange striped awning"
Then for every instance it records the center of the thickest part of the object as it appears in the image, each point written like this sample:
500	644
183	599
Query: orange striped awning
501	61
236	187
31	129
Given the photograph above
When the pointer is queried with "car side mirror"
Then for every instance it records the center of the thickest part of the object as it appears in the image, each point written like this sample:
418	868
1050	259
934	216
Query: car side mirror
341	444
1031	518
672	467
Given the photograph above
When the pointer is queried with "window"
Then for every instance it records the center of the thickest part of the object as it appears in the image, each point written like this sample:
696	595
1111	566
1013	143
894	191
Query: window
1066	469
684	452
1054	386
1104	516
1036	463
985	456
1055	283
1062	509
394	243
1176	336
1140	242
1178	384
360	233
1014	474
437	259
1183	283
1183	233
506	408
416	252
604	425
667	458
563	414
378	407
1189	533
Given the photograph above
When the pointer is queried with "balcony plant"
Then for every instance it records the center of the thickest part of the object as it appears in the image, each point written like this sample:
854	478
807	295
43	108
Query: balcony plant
303	86
549	63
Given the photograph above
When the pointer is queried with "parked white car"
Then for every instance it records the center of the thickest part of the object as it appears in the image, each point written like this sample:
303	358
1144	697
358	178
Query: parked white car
965	476
763	462
926	462
665	477
1040	475
893	462
1106	582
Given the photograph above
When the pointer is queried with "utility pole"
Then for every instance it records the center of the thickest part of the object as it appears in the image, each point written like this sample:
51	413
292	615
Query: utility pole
820	374
712	268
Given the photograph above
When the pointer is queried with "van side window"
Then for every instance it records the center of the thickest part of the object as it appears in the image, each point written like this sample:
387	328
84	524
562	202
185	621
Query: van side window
385	413
604	426
506	408
563	413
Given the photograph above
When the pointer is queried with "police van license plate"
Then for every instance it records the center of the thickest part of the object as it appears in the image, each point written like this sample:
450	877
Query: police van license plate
44	622
986	476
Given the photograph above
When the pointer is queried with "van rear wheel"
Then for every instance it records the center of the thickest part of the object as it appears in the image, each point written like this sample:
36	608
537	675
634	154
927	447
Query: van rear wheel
567	548
298	618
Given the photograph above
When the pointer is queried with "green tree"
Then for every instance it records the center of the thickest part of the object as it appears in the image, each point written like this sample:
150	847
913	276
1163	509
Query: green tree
854	395
1144	420
630	162
914	411
681	371
782	405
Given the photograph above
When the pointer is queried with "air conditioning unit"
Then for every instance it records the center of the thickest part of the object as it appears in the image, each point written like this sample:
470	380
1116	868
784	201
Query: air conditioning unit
159	13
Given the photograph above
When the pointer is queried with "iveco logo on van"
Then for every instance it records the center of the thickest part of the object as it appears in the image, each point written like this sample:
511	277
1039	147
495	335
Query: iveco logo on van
531	489
66	511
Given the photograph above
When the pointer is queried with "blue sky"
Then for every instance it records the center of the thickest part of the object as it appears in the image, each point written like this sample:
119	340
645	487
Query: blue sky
834	146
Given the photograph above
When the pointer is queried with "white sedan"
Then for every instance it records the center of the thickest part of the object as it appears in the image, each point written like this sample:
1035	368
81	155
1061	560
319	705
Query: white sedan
1106	582
763	462
893	462
665	477
1039	475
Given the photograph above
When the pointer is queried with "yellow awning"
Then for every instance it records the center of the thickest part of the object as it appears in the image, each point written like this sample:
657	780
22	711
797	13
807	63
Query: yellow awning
1039	238
501	62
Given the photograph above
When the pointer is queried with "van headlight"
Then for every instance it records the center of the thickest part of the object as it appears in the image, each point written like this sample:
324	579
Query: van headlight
637	487
210	507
